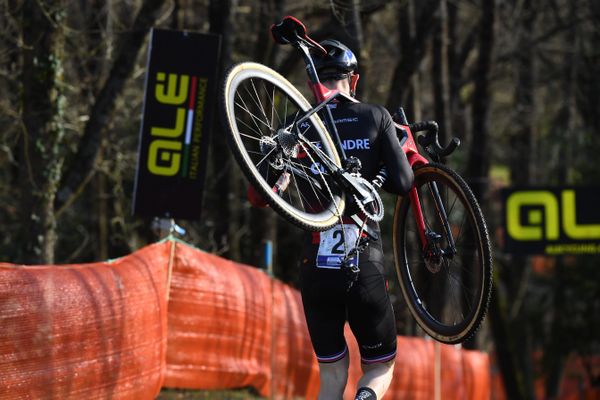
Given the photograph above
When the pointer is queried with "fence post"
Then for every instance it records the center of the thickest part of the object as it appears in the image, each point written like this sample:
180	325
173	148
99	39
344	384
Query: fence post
437	350
268	265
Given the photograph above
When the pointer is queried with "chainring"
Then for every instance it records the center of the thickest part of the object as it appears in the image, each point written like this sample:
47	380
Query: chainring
376	204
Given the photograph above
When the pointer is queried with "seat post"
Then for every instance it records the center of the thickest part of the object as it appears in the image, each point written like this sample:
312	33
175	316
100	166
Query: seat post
310	65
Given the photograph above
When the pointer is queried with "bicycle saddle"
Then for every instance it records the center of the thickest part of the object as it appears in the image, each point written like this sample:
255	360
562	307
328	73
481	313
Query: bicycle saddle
291	31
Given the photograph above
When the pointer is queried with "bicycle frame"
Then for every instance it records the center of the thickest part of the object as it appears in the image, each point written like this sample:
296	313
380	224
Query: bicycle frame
323	96
446	295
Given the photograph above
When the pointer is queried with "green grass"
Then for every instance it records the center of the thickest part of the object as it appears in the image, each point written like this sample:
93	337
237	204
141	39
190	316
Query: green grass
184	394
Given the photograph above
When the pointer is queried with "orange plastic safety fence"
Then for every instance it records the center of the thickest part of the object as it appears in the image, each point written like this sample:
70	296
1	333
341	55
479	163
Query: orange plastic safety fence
223	315
461	374
576	382
93	331
99	331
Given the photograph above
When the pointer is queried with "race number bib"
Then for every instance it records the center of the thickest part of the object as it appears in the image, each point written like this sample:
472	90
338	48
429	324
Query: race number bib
332	249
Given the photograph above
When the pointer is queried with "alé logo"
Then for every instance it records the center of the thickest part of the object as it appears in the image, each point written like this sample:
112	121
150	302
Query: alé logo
546	215
175	149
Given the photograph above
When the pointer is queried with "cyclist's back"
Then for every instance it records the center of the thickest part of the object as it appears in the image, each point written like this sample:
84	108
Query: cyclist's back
368	133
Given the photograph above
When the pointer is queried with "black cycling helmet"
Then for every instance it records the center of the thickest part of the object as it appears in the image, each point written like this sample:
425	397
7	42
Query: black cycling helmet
339	62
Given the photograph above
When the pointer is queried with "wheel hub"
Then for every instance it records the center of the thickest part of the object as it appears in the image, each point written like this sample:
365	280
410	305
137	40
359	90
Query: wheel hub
434	255
268	148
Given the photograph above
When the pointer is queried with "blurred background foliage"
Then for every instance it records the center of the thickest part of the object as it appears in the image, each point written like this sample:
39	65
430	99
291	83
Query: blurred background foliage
515	80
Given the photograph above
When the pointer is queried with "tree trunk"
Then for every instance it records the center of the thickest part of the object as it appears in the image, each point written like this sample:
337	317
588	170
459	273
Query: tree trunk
222	22
563	134
263	222
356	43
588	99
457	57
479	157
517	369
412	53
439	71
101	201
84	162
43	105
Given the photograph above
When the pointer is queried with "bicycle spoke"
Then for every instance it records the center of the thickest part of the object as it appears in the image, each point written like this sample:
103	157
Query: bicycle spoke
258	133
300	170
265	157
249	136
254	117
312	187
273	108
263	110
299	192
458	239
312	182
456	301
259	104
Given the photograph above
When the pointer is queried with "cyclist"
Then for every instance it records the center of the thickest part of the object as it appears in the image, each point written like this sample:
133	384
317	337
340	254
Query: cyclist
367	133
329	296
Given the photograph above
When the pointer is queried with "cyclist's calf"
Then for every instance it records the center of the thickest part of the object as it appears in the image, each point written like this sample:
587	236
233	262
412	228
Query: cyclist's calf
334	377
376	377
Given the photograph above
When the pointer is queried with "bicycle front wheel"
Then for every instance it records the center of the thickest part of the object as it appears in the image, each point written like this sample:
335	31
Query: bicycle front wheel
261	110
445	281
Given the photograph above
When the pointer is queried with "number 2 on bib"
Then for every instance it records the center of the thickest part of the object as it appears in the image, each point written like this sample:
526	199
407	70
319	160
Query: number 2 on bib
333	248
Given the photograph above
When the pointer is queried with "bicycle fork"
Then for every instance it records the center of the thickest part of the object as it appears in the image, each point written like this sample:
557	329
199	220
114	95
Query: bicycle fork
431	240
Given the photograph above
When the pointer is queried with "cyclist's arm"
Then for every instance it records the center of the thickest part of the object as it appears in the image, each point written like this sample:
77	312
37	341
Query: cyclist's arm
257	200
400	175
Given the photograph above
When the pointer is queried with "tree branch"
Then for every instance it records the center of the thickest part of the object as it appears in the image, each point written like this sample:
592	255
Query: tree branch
103	108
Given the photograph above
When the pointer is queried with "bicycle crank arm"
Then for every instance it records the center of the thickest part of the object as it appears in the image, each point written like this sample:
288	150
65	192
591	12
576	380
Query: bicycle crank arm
366	229
352	183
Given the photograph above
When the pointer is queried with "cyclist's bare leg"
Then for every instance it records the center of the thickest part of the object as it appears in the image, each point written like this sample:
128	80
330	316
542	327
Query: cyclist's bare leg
333	379
377	377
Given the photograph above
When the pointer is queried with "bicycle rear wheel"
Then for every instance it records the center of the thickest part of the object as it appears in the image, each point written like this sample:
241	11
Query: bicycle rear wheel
261	110
446	287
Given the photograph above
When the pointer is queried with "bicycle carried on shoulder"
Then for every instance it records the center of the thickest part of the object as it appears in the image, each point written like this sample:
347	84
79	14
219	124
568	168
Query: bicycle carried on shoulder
440	240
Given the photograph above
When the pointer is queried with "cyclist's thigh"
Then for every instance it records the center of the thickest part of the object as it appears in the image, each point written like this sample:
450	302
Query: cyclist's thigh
370	311
323	295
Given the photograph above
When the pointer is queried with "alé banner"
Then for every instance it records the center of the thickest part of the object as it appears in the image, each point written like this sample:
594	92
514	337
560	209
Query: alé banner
179	103
552	221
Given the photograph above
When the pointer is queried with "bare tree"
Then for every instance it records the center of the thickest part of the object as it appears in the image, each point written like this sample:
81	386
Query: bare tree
81	168
511	334
412	52
440	73
42	110
222	22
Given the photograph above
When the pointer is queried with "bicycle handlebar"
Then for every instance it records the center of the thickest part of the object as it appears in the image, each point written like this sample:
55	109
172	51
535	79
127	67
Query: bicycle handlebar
430	140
